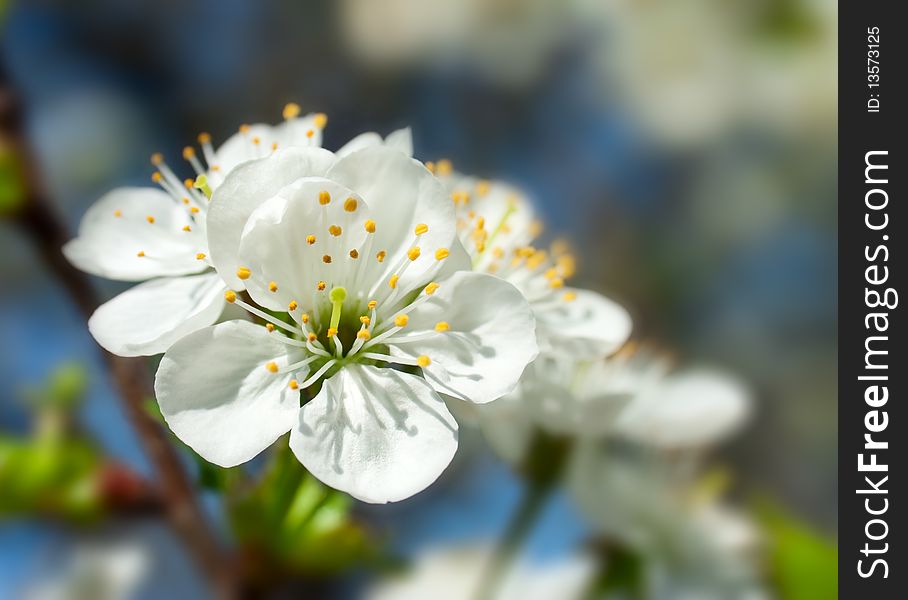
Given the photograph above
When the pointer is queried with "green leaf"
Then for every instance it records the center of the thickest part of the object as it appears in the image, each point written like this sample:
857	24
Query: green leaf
803	562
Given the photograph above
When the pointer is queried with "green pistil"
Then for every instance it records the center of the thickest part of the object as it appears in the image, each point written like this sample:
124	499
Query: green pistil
201	183
337	297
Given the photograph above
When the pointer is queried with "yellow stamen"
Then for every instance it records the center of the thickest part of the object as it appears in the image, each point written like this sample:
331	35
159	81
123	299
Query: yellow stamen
304	318
244	128
370	226
442	253
311	337
291	110
188	152
200	256
354	253
365	320
413	253
444	167
156	177
269	327
310	239
350	204
401	320
118	213
423	361
204	138
556	283
569	296
230	296
430	289
363	334
256	140
482	187
421	229
380	257
335	230
320	120
272	286
324	197
187	228
194	210
372	304
392	283
272	366
150	219
294	385
140	253
188	183
321	286
157	158
293	305
332	331
430	166
326	259
442	326
243	273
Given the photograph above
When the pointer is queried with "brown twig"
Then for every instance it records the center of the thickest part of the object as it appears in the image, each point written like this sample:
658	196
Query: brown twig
38	220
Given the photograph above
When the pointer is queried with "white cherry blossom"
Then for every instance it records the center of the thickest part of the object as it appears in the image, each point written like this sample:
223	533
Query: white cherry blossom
158	236
354	266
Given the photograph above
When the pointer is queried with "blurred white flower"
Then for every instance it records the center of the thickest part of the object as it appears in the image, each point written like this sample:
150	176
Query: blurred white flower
362	253
631	395
96	572
692	545
456	574
139	234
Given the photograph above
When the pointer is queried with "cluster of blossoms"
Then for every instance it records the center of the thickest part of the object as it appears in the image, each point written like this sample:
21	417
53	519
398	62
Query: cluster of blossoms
354	299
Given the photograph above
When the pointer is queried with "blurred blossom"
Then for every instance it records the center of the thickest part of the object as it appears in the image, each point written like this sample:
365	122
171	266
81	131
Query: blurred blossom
96	571
691	545
455	573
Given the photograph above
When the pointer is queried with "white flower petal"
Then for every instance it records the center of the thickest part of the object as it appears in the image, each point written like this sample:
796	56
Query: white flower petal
590	325
219	397
275	248
151	316
490	340
401	140
401	193
116	229
246	188
689	409
239	147
378	434
507	426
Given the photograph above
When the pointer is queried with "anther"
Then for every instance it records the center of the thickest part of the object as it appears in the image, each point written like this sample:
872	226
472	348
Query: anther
272	286
556	283
423	361
118	213
304	318
187	228
157	158
243	273
293	305
256	140
326	259
269	327
188	152
365	320
194	210
309	133
311	337
294	385
430	289
272	366
363	334
380	257
310	239
354	253
370	226
442	253
156	177
569	296
291	110
372	304
444	167
244	128
321	286
320	120
413	253
421	229
140	253
332	331
401	320
392	283
230	296
350	204
324	197
442	326
150	219
200	256
482	187
204	138
335	230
